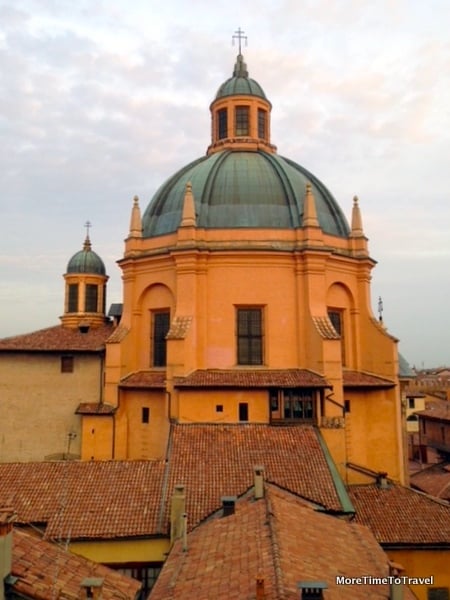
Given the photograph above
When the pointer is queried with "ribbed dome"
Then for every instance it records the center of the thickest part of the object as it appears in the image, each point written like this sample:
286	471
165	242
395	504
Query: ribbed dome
235	189
86	261
240	83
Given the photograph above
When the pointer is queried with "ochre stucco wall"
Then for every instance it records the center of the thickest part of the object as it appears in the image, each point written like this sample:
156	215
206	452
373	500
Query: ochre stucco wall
38	403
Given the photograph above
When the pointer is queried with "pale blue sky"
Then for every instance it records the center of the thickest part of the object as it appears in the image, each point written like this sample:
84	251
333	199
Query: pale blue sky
101	100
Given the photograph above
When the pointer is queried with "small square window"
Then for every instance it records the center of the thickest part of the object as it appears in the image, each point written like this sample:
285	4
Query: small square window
219	407
347	406
145	414
67	363
411	403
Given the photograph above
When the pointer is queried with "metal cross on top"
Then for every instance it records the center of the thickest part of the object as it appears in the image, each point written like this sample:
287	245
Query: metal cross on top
88	225
239	35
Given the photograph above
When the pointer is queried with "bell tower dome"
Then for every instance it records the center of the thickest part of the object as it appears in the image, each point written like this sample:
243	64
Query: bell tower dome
240	114
85	294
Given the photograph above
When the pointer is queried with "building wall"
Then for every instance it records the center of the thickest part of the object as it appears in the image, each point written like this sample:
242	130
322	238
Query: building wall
424	563
206	275
38	404
435	433
122	551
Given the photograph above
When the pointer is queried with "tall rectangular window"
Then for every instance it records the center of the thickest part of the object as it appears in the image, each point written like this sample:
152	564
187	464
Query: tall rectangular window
242	120
336	317
160	328
249	336
222	123
262	123
67	363
145	417
73	298
243	411
91	300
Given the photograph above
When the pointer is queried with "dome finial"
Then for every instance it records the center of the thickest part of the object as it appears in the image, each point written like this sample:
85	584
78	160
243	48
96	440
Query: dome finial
87	241
240	68
239	35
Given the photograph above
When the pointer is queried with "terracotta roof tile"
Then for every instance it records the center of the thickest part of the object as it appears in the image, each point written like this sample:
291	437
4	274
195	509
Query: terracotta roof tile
325	328
179	328
434	480
42	568
225	555
361	379
251	378
218	460
108	499
145	379
58	338
437	411
118	335
102	499
399	515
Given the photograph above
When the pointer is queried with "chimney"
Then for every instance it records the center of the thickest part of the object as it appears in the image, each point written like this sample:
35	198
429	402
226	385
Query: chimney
177	510
260	594
396	589
312	590
228	505
92	587
7	517
382	481
259	481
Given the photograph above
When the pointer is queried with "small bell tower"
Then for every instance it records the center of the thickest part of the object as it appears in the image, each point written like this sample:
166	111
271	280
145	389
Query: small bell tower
85	293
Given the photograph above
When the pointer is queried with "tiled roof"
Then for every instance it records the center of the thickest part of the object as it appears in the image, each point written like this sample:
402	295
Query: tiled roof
58	338
98	499
325	328
118	334
113	499
218	460
145	379
95	408
434	480
438	411
44	570
179	328
251	378
399	515
361	379
280	540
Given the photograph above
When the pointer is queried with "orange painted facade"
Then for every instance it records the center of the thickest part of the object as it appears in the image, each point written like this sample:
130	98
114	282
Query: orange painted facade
297	281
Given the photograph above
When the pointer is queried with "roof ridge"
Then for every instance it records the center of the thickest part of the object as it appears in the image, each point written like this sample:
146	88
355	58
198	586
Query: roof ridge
276	558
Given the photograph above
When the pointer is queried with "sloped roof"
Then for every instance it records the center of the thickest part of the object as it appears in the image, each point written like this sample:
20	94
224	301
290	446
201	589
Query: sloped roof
145	379
113	499
434	480
59	338
251	378
280	540
437	410
42	568
400	515
98	499
365	380
218	460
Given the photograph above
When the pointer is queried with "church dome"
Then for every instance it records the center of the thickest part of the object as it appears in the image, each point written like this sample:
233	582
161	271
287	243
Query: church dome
86	261
242	182
240	83
234	189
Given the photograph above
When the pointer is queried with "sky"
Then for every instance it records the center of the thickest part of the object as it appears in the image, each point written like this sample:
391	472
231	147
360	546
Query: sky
102	100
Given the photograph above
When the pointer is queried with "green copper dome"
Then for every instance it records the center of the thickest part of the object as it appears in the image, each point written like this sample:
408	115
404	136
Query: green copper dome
86	261
240	83
235	189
